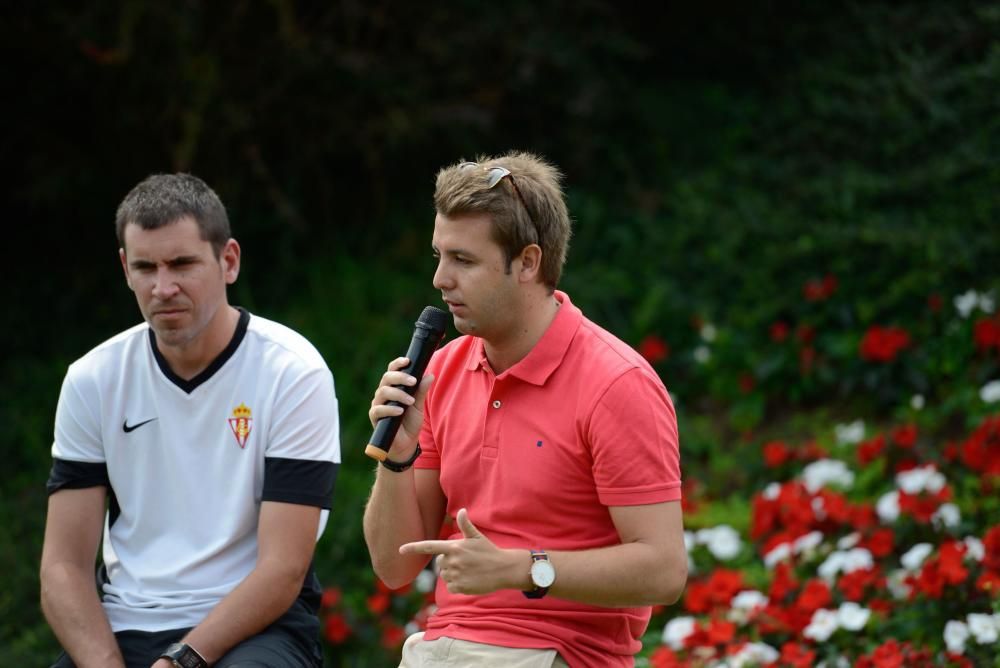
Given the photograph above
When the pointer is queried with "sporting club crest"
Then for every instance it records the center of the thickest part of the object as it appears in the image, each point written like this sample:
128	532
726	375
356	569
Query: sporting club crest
241	423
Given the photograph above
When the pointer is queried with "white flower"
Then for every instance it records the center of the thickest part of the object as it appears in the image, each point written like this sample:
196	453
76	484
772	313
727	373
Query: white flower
677	630
974	548
947	515
850	433
849	541
917	402
745	603
839	662
722	541
896	582
845	562
822	625
920	479
702	354
915	556
984	628
751	654
806	543
887	507
966	303
852	616
425	581
777	553
772	491
748	599
825	471
955	634
990	392
707	332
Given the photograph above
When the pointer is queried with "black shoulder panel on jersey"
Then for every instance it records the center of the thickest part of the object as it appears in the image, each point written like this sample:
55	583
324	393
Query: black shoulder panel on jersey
66	474
302	481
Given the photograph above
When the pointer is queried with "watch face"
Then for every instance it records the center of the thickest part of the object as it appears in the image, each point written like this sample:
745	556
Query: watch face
542	573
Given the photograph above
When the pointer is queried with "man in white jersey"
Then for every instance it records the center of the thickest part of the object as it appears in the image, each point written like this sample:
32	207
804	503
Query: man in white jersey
204	444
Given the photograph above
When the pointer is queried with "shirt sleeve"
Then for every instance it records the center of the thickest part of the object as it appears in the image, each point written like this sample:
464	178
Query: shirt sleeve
303	449
634	444
430	457
77	450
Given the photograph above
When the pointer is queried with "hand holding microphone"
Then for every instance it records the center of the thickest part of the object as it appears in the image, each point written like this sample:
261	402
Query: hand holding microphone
388	409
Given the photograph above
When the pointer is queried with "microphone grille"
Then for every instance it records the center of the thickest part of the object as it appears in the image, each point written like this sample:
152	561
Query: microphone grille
433	318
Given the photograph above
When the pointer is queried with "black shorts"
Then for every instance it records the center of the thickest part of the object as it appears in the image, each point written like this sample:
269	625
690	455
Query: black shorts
292	641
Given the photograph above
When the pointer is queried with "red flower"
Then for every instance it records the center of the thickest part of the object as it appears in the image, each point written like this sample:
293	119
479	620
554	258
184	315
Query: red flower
815	595
883	344
819	289
720	631
393	636
991	546
663	657
880	543
378	602
986	333
794	655
747	383
779	331
783	583
870	449
923	506
654	349
331	597
776	453
905	436
981	452
336	629
854	584
989	583
805	333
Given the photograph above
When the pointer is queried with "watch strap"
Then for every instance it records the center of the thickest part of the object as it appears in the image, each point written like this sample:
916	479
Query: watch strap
399	467
537	592
185	656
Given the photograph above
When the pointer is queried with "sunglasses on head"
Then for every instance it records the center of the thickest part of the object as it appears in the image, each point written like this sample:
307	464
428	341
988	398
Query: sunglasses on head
494	176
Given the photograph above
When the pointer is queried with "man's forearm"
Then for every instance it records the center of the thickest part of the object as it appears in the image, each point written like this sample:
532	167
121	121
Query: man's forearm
71	606
392	518
266	594
629	575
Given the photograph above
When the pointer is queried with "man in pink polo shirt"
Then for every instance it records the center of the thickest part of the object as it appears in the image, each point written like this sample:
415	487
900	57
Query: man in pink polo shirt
552	443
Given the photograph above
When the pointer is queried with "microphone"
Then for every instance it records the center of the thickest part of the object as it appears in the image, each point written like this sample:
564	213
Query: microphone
427	335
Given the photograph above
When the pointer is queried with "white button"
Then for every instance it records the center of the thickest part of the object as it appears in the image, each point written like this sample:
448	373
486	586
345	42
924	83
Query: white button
496	403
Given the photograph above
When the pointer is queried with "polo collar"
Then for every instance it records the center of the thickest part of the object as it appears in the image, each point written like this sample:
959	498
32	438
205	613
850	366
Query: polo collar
547	354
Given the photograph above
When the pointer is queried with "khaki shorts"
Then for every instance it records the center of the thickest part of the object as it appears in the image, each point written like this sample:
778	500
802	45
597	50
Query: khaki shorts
453	653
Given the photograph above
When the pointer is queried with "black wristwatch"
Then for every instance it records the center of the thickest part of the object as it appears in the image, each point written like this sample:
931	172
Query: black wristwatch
399	467
184	656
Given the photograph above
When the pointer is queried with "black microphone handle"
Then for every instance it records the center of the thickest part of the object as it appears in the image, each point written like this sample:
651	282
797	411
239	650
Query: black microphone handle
422	346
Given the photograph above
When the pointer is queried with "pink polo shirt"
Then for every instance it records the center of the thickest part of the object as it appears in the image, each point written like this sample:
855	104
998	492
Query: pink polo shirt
536	455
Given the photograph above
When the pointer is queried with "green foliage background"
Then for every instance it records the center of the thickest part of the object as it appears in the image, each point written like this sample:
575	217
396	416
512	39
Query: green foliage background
718	158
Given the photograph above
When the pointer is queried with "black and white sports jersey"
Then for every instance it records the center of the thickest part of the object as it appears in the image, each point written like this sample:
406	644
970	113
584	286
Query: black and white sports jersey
188	462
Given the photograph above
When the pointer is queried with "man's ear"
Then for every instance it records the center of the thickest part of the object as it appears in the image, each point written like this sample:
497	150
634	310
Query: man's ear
531	263
229	257
128	277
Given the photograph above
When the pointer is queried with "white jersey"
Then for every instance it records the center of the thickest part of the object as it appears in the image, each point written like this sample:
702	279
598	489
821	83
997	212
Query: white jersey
188	463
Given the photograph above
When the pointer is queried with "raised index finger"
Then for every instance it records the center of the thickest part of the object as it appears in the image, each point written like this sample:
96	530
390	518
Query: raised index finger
426	547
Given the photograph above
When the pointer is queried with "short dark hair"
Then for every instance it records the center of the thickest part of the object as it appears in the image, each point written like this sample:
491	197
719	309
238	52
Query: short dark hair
162	199
460	190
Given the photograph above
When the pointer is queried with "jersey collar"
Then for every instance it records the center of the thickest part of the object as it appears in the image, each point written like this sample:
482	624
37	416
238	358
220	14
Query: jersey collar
189	385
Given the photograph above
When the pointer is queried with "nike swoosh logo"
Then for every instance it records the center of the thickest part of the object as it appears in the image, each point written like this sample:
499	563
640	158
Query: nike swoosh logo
126	427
